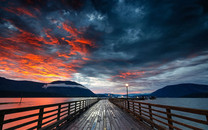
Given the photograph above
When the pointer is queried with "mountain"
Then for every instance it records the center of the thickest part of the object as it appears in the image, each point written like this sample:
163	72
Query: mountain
12	88
122	95
182	90
108	95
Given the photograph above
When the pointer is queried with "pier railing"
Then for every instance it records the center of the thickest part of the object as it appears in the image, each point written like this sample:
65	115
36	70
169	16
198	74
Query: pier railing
163	116
44	116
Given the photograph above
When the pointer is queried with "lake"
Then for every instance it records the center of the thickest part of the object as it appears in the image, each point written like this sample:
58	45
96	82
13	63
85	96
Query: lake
26	102
197	103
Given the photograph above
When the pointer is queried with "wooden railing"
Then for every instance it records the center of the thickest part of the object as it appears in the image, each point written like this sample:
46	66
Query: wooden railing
165	117
44	116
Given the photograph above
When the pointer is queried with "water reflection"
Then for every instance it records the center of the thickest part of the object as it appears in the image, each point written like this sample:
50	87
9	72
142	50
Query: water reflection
26	102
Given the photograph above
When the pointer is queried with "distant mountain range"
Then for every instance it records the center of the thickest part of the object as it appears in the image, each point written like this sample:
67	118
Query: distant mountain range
172	91
120	95
182	90
12	88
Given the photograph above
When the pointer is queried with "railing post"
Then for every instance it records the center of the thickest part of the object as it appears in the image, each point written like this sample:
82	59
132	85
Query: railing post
168	111
150	112
207	117
69	108
86	103
75	107
128	104
140	111
59	112
80	102
40	118
133	107
1	121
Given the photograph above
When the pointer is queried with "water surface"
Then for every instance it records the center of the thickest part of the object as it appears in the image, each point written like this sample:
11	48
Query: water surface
27	102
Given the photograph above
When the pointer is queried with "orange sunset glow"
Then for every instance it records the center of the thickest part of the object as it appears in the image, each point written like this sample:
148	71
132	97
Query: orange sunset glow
130	75
105	44
25	55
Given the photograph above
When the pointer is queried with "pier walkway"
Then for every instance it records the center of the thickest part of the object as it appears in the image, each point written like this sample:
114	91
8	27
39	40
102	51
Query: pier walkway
95	114
105	116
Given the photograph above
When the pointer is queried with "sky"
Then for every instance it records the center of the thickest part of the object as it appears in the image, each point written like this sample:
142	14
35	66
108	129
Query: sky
104	44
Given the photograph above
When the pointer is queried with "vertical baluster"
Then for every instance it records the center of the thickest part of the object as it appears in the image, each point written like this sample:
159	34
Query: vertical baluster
125	104
40	118
207	118
69	109
150	112
133	107
59	112
140	111
75	107
80	105
168	111
1	120
85	104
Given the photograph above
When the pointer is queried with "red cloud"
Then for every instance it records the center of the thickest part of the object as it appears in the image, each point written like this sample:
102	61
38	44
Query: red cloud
130	75
25	55
78	43
20	11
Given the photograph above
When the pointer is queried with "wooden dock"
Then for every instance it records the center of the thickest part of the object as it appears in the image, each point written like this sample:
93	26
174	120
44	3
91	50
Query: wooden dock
95	114
105	116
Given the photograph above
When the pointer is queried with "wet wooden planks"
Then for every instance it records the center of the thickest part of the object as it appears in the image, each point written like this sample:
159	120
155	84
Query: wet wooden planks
106	116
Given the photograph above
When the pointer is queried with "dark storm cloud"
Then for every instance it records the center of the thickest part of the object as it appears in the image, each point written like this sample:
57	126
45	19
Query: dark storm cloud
165	31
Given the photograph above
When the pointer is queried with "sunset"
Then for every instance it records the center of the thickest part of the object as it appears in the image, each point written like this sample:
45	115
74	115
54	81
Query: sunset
153	48
86	42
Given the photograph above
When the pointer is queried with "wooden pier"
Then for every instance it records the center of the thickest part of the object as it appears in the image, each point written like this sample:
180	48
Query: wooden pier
112	114
104	115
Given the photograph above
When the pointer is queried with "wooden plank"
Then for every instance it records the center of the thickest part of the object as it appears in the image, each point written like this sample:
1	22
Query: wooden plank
20	118
84	121
15	110
21	125
106	116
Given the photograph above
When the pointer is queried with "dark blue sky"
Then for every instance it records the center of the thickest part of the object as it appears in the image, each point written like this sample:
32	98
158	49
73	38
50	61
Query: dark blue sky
104	44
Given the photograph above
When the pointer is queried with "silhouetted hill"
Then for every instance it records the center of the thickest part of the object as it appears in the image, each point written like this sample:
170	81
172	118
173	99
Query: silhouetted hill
120	95
66	82
182	90
197	95
12	88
